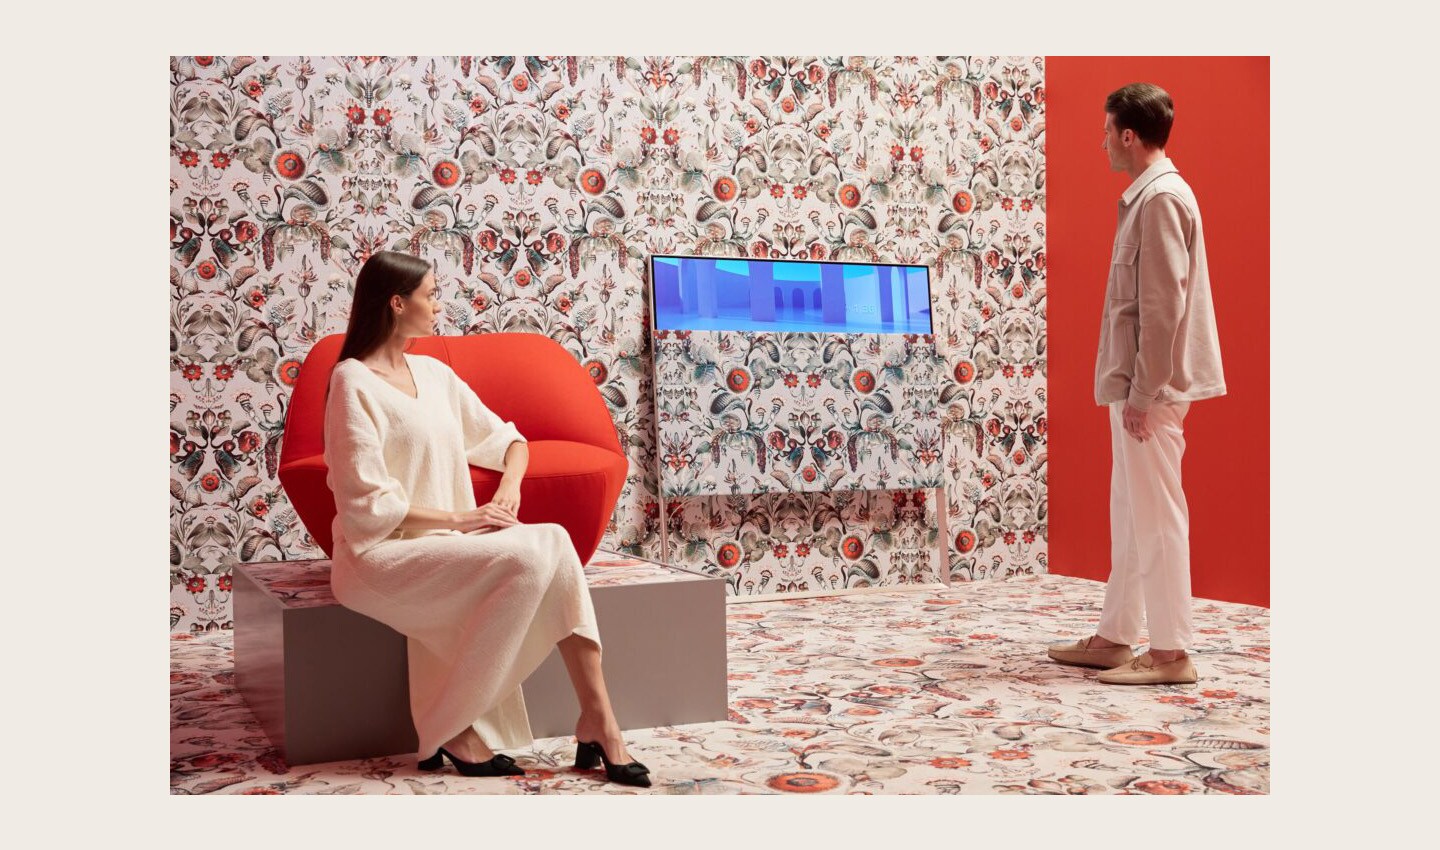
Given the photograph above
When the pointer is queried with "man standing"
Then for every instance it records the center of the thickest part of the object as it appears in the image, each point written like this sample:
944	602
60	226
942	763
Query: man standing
1159	351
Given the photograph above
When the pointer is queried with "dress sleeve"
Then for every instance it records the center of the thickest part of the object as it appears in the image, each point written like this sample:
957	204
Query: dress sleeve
369	503
487	436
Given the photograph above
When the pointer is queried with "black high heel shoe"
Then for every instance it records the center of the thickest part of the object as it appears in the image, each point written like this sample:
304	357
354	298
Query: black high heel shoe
588	754
500	765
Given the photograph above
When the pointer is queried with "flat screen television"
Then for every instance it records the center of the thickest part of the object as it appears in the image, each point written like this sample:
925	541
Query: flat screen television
725	294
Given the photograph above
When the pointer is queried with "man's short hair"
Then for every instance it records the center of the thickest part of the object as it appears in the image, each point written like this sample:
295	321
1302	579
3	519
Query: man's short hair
1145	109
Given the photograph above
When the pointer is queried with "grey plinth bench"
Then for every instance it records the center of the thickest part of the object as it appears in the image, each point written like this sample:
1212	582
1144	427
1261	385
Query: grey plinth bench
328	684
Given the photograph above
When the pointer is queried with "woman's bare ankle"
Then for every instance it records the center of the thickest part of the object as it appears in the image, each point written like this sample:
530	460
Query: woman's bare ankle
601	728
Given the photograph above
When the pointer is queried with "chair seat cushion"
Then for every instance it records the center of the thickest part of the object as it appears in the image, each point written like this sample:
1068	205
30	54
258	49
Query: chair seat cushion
561	475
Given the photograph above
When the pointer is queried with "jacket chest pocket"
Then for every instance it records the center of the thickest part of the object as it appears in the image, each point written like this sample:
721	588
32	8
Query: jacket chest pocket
1125	273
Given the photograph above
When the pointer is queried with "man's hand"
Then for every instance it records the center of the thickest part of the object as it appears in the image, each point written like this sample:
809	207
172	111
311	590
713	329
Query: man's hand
1137	423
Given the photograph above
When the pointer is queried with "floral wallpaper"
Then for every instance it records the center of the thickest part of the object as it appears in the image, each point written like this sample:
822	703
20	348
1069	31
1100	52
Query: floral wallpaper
538	186
795	412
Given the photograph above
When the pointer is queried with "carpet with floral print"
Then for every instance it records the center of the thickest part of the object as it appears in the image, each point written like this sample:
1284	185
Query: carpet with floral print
915	692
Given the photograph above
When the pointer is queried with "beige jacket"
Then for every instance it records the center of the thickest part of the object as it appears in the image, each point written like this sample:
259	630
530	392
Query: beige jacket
1158	340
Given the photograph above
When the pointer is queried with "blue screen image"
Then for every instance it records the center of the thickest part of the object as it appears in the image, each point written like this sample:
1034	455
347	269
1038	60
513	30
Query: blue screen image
714	294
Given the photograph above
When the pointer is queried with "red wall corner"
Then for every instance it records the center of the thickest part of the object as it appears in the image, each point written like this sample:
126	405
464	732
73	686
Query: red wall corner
1221	145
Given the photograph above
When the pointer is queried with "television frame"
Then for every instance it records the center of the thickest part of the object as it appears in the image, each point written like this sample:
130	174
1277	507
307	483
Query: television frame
655	312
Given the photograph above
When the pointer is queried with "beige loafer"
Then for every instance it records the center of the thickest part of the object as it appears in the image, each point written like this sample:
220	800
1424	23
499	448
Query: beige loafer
1080	654
1144	671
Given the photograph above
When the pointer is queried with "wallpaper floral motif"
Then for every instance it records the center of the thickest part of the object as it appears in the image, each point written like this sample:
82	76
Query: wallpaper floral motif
537	186
795	412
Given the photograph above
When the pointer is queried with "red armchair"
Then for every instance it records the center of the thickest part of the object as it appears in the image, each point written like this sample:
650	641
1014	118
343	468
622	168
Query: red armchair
576	466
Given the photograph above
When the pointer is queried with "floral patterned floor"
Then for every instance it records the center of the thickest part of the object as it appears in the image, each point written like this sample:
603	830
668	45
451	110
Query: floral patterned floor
929	692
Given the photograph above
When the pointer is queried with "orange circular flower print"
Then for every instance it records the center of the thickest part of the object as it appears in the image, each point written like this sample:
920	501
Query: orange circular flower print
446	174
963	202
522	278
864	381
207	270
1163	786
728	555
597	370
949	763
725	189
804	783
1009	755
592	181
290	165
738	380
849	196
964	372
965	541
204	61
897	662
521	82
288	372
1136	738
852	548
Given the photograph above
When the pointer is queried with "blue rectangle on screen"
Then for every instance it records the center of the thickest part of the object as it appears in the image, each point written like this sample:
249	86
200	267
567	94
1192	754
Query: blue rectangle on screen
722	294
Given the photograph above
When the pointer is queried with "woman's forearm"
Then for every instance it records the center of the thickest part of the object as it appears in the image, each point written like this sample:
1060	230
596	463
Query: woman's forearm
419	517
517	458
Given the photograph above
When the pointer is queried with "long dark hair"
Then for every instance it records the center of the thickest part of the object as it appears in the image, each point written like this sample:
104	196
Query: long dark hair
372	321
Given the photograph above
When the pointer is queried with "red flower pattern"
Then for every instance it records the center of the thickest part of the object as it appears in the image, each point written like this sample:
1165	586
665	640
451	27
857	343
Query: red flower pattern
290	165
728	555
592	181
446	174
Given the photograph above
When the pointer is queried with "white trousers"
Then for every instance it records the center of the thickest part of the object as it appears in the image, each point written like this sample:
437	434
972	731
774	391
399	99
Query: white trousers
1149	533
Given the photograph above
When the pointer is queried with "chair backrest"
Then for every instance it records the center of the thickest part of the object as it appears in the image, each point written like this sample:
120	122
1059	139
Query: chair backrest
528	379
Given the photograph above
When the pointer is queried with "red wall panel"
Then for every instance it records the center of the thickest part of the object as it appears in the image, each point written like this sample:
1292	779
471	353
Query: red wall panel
1221	145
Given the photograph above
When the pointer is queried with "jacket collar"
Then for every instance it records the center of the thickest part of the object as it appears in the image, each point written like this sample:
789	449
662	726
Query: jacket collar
1161	166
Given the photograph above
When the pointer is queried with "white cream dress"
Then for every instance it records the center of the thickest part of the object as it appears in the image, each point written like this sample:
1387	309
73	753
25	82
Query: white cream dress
480	610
